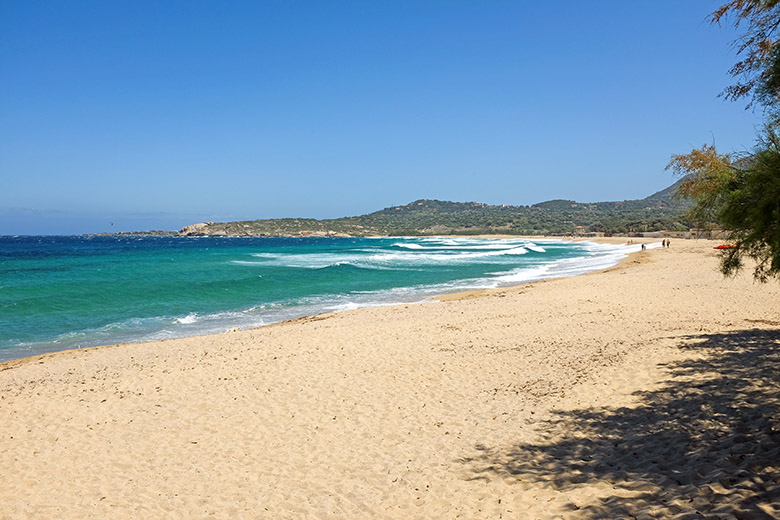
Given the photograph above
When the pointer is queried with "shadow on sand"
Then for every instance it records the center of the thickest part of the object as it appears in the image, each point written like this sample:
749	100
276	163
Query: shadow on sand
705	445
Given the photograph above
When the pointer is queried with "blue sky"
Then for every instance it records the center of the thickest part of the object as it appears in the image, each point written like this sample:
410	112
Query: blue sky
153	115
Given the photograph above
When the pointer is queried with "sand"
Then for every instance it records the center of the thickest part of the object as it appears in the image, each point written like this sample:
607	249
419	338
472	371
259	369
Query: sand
649	390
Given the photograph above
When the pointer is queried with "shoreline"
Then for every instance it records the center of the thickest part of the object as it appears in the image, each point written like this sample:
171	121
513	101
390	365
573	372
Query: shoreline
645	388
436	297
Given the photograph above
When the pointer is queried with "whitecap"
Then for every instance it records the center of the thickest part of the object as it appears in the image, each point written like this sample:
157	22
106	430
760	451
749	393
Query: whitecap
188	319
535	248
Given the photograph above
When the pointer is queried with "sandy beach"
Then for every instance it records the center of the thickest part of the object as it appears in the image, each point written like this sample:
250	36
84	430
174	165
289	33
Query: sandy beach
648	390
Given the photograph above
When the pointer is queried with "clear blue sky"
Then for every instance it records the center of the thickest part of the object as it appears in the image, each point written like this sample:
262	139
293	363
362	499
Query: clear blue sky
153	115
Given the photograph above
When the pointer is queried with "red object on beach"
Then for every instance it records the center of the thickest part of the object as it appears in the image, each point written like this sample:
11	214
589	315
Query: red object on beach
725	246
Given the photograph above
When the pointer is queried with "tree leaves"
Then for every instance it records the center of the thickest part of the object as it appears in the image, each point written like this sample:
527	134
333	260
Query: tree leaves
758	69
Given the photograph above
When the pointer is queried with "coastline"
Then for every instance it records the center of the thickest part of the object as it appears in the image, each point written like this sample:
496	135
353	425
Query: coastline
471	293
198	320
511	403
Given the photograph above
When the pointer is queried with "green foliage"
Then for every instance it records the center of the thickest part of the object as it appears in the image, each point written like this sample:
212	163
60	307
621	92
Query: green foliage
751	210
707	175
758	69
742	197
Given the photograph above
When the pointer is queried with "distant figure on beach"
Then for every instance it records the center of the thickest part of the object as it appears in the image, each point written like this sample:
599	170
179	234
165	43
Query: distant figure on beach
643	247
668	243
663	243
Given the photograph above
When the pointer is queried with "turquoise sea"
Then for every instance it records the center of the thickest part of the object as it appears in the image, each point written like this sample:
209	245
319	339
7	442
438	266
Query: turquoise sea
61	292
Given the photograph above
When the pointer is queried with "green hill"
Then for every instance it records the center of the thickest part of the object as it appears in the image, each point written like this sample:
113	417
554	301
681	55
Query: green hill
657	212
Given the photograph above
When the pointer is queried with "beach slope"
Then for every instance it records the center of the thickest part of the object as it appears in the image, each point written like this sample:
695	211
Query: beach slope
649	389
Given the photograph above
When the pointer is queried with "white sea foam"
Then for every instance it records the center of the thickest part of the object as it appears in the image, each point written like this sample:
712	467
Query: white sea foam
600	256
247	262
462	247
410	255
189	318
434	252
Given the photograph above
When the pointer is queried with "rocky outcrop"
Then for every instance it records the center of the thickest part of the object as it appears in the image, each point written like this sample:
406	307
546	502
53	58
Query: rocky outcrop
195	230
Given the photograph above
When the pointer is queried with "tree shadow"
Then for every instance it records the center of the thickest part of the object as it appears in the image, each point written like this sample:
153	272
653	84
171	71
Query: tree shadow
706	444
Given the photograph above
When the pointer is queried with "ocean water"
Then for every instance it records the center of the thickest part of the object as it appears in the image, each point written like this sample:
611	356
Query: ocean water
61	292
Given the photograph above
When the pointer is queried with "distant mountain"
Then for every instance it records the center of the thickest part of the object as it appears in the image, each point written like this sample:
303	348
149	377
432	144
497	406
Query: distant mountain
664	199
668	195
659	211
